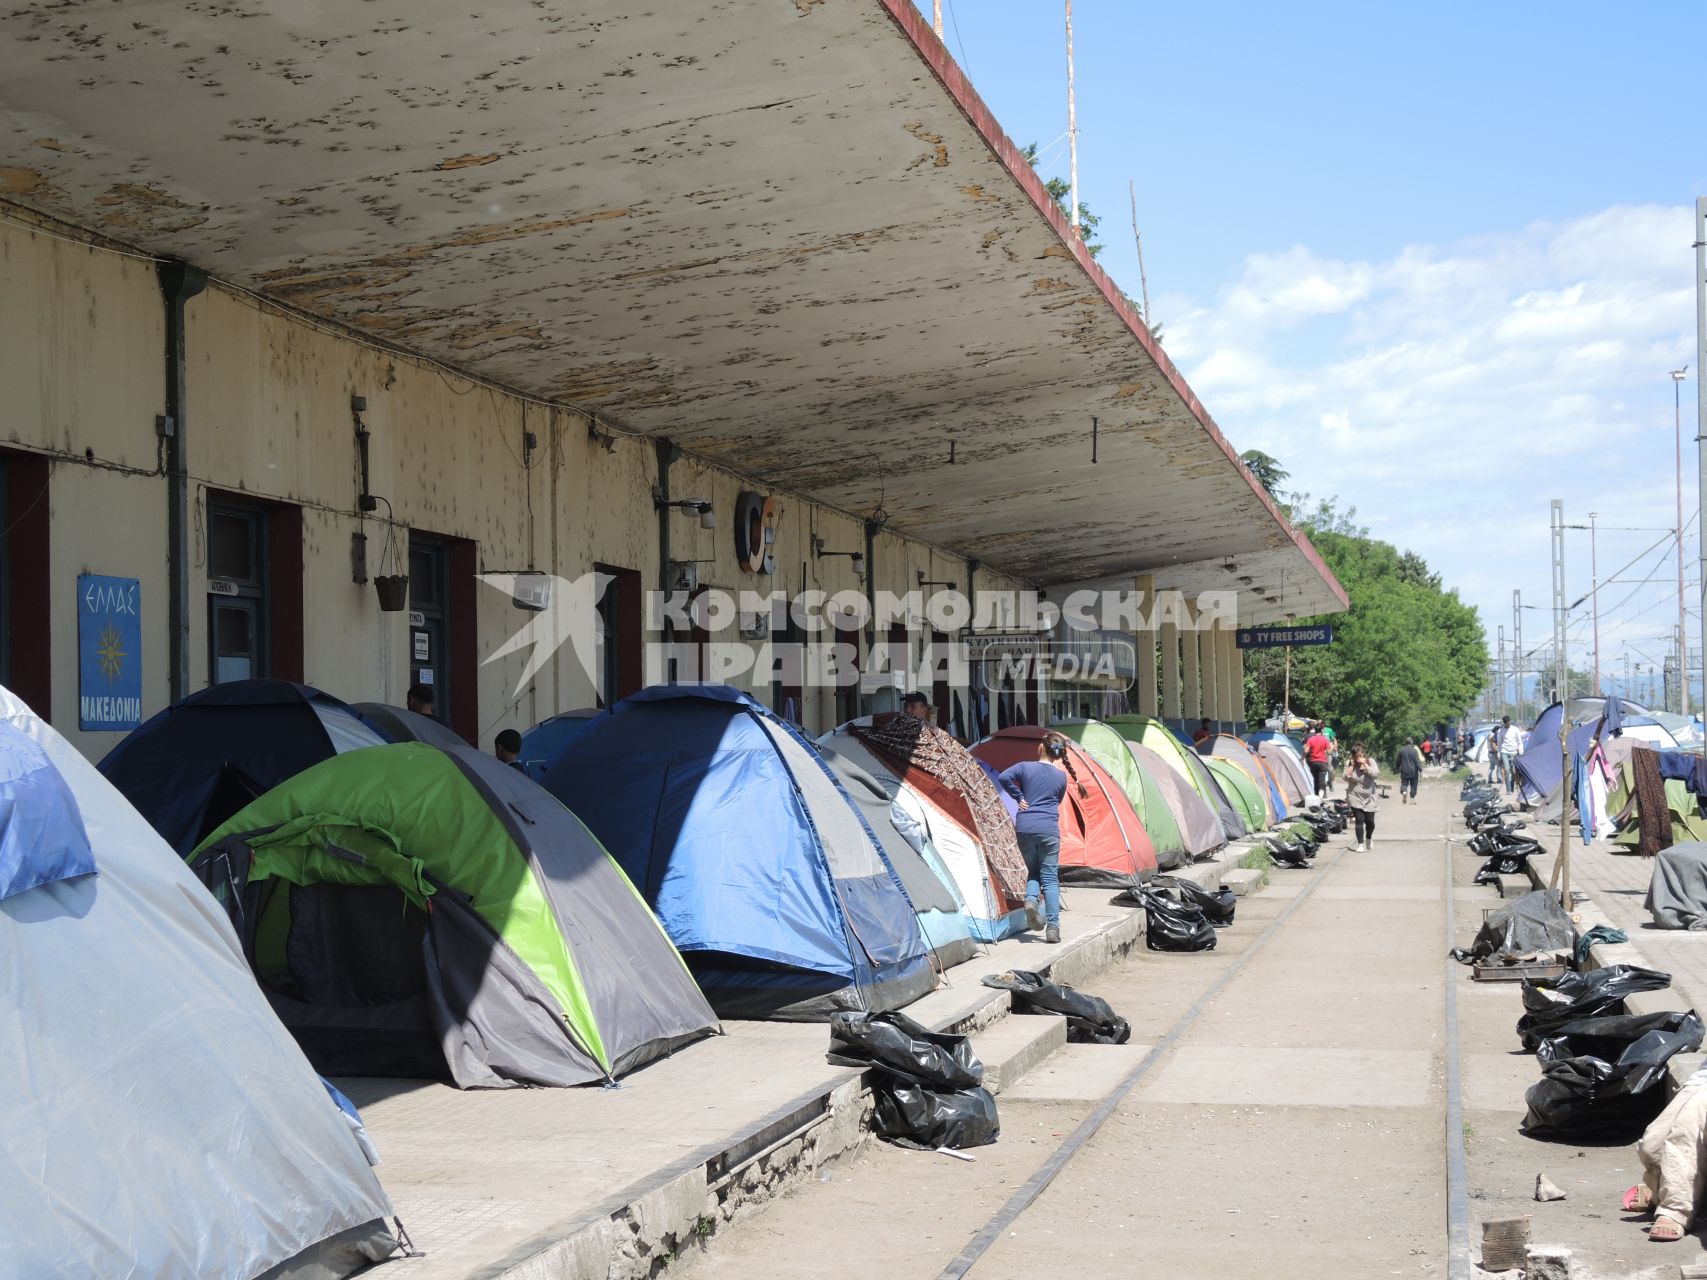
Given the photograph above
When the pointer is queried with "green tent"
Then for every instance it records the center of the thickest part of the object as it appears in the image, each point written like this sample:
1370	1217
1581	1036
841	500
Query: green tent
418	910
1147	731
1110	751
1240	790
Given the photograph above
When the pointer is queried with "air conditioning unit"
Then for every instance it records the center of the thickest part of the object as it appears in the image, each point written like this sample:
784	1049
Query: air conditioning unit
531	591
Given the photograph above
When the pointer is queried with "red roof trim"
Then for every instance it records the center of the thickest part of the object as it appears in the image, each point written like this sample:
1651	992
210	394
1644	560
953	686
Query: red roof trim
936	56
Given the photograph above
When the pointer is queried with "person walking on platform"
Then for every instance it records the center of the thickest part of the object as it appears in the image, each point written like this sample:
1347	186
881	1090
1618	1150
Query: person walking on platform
1363	795
1410	769
1511	746
1039	786
1316	749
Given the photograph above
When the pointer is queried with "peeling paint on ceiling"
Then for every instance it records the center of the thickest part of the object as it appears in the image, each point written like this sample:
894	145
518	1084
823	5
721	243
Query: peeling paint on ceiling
763	228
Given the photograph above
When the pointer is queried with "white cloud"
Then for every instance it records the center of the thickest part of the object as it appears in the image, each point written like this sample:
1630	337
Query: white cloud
1451	391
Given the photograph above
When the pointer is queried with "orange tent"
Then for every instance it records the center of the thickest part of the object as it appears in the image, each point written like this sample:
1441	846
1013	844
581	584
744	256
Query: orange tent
1102	841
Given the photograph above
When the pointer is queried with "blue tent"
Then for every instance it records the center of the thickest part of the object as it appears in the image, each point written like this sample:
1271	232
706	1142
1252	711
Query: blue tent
1540	767
542	743
193	765
763	872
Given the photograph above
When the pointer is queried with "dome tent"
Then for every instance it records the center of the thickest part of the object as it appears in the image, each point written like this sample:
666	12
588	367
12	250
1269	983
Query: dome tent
1226	746
1102	840
911	851
193	765
188	1135
945	792
1144	792
1150	732
759	866
1241	789
420	911
1199	828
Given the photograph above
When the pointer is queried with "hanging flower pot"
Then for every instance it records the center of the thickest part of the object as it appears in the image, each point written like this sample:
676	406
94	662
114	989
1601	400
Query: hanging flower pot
393	591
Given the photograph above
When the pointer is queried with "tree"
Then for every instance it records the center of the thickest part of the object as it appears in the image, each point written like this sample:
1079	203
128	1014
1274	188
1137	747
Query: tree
1059	190
1267	469
1407	654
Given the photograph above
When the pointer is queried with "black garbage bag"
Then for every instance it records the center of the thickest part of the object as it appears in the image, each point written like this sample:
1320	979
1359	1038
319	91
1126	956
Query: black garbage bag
1608	1037
1587	1096
1552	1002
1218	904
1535	922
894	1043
1175	926
1287	853
926	1119
1090	1019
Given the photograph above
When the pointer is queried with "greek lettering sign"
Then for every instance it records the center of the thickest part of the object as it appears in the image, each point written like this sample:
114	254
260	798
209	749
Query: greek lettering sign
1283	637
109	652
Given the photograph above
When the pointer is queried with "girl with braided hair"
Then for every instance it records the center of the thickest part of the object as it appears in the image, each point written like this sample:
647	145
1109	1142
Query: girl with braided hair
1039	786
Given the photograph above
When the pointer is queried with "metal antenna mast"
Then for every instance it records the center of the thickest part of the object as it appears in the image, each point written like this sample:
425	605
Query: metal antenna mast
1072	133
1561	669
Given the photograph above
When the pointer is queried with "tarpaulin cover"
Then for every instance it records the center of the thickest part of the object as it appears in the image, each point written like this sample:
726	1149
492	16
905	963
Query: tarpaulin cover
537	963
158	1120
1535	922
1552	1002
1677	892
41	833
1605	1077
193	765
1090	1019
761	869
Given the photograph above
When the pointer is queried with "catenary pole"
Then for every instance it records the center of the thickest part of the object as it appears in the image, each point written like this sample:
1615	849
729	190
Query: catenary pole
1072	133
1594	594
1677	377
1701	401
1561	668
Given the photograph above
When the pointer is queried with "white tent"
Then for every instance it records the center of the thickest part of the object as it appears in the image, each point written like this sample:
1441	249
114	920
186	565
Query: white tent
157	1119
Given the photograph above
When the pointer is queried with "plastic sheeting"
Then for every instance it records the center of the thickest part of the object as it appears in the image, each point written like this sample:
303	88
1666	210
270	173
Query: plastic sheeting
1605	1077
1534	923
159	1121
41	834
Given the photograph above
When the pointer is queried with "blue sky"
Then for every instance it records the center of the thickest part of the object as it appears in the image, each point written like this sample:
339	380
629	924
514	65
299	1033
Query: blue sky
1435	258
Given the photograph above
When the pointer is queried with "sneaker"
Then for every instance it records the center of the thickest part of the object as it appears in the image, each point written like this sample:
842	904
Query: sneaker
1033	914
1052	933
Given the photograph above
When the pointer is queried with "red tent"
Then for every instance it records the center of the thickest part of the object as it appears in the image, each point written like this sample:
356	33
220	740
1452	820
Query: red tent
1102	841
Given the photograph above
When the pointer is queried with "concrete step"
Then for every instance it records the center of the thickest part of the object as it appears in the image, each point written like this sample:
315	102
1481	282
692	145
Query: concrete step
1515	886
1015	1045
1242	880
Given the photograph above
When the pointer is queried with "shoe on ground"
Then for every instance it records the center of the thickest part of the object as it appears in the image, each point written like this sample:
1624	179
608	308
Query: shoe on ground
1033	914
1052	933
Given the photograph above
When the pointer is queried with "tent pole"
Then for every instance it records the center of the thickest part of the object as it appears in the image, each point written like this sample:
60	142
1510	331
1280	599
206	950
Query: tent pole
1286	695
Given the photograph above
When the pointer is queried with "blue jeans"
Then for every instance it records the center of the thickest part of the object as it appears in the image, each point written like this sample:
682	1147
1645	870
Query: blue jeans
1043	864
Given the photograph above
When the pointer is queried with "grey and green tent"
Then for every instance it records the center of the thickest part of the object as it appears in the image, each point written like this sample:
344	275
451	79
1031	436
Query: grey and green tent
413	910
1145	793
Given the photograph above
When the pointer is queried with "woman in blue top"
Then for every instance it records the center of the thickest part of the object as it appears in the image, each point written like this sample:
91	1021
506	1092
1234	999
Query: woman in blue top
1039	786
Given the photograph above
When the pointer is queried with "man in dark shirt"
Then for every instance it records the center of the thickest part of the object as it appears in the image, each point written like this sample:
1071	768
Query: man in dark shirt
1203	731
1039	785
507	746
1410	769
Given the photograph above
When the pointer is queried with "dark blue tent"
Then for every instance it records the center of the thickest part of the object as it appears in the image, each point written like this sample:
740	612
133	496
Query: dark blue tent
193	765
762	870
1540	767
542	743
395	724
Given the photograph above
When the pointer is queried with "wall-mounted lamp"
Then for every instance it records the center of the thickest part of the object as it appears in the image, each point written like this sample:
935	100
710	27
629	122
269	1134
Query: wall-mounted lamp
932	582
606	440
858	557
707	516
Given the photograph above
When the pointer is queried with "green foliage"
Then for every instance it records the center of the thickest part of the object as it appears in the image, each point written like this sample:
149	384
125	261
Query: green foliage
1059	189
1267	469
1406	655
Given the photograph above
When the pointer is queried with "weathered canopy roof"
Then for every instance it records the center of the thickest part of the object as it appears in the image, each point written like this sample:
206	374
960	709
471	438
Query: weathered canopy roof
785	233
